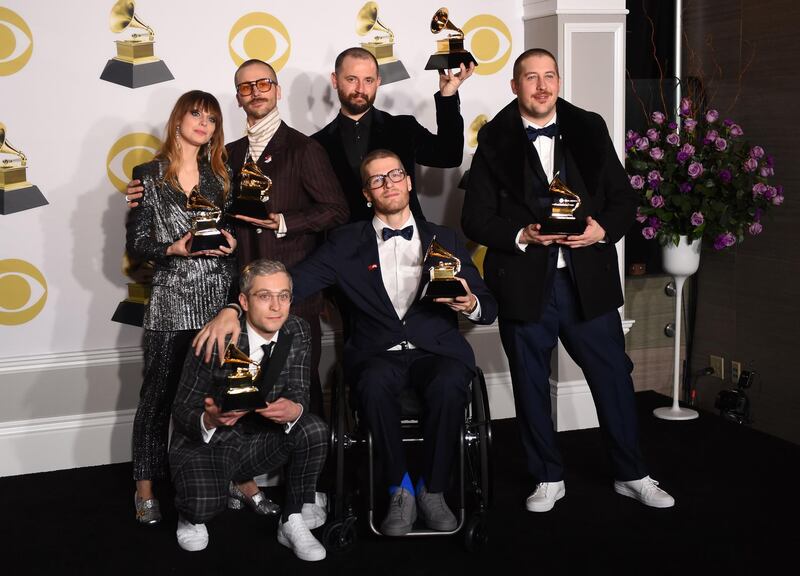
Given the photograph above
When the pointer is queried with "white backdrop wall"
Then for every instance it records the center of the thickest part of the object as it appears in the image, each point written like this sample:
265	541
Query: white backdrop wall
69	376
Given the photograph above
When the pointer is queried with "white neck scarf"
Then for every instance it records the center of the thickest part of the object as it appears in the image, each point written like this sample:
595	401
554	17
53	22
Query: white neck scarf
260	133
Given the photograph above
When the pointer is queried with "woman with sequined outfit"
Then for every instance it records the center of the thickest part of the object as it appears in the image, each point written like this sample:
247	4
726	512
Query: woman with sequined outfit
188	287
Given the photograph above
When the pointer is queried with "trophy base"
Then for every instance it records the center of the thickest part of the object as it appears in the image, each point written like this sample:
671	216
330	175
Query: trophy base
552	226
442	289
393	71
136	75
252	208
131	313
19	199
243	402
449	60
202	242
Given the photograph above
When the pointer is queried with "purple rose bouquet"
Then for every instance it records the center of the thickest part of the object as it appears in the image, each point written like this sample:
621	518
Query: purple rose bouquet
702	181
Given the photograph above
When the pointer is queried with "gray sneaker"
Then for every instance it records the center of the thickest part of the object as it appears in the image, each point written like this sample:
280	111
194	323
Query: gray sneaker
434	511
401	515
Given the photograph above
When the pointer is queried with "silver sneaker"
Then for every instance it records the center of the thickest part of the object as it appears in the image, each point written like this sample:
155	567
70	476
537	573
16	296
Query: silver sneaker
258	502
147	511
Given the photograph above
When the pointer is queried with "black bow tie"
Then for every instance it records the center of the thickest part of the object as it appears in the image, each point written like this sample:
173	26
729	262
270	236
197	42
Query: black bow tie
549	131
406	233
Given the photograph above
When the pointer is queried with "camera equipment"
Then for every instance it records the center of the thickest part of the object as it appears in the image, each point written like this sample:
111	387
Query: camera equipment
734	405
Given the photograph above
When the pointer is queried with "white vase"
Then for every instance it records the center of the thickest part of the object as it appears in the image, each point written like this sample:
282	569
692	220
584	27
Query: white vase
680	261
683	259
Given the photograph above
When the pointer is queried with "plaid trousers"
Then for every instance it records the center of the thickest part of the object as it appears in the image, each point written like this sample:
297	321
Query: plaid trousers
201	472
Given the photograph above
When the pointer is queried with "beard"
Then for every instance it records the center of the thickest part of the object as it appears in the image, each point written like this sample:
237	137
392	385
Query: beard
353	106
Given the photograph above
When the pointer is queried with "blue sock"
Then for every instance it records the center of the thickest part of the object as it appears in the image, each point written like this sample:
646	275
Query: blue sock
404	483
420	485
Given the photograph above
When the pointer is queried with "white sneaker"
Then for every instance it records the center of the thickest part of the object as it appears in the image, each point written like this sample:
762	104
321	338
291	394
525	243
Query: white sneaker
315	515
191	537
544	497
646	491
295	534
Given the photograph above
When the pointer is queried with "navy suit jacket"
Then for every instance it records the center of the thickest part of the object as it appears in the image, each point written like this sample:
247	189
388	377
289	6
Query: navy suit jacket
349	259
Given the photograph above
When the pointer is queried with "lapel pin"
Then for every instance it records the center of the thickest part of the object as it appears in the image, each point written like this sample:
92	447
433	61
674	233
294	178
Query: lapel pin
372	267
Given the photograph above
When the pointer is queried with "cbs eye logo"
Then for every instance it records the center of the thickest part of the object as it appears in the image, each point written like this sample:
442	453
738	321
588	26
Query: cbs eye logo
16	42
262	36
127	153
489	41
23	292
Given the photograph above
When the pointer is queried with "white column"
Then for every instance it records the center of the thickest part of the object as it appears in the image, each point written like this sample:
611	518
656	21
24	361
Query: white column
588	39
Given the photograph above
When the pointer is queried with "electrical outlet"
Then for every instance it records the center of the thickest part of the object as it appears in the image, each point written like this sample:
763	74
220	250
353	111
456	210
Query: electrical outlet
718	364
736	371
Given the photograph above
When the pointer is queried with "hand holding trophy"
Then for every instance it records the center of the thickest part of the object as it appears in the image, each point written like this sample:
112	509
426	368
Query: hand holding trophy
562	211
252	192
205	234
443	281
240	391
450	52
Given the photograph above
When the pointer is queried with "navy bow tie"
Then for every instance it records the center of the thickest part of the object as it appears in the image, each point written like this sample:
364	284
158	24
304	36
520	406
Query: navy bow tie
549	131
406	233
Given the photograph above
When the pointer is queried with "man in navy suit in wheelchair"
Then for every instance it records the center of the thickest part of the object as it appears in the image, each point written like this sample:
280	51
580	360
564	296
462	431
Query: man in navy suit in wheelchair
398	340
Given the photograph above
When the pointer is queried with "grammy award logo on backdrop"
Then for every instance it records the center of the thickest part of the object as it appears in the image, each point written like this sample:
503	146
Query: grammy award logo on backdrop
135	64
489	40
16	193
16	42
380	45
127	153
260	35
23	292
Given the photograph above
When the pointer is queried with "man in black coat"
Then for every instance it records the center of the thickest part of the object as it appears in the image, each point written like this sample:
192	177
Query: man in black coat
360	128
552	286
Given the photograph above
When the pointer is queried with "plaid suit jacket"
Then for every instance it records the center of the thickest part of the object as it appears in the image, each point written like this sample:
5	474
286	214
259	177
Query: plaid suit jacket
199	380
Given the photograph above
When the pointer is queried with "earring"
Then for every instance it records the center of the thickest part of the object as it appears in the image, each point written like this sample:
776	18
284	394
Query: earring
369	204
208	153
178	136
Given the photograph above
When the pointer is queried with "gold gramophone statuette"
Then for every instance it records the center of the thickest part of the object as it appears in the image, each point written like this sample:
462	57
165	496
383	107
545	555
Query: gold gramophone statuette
381	45
16	193
252	192
240	391
450	52
135	64
443	281
564	203
206	235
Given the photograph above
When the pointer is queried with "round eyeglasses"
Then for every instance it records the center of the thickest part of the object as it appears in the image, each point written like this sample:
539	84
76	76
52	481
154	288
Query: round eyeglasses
379	180
283	297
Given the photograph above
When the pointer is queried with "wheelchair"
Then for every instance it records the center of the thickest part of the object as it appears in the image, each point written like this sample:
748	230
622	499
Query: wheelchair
474	465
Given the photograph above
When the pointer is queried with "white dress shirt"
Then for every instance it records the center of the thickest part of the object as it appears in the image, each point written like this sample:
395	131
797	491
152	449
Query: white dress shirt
546	149
401	263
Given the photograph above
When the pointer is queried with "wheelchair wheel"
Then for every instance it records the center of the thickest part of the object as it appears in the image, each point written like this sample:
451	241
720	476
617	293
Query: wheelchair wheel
340	536
476	532
338	423
480	448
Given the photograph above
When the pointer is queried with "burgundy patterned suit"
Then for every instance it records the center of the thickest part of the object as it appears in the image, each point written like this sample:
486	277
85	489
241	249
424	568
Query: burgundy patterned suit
306	191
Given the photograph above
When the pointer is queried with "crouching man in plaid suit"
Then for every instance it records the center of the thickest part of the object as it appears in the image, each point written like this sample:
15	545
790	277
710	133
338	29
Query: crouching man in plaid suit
212	450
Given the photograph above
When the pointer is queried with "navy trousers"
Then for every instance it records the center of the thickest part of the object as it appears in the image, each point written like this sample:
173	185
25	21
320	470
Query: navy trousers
442	386
598	347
